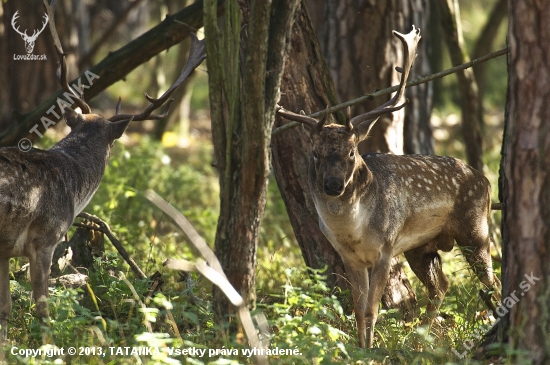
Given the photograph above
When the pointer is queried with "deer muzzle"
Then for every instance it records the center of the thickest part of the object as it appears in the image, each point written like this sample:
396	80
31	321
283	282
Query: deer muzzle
333	186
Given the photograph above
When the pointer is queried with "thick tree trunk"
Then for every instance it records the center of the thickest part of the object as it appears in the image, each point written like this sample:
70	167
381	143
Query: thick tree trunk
526	183
245	68
306	85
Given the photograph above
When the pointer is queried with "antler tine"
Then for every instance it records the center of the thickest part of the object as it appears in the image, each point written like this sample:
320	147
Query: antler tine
410	42
310	122
62	76
349	126
16	27
197	54
117	108
323	119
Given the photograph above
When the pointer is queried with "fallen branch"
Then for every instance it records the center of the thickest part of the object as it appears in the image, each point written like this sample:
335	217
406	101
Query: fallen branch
212	271
392	89
104	228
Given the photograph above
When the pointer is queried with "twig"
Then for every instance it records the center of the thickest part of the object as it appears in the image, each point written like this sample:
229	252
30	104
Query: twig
394	88
137	299
212	271
104	228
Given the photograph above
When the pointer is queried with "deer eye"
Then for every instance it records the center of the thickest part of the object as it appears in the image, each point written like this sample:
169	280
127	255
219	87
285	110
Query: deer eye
352	154
315	155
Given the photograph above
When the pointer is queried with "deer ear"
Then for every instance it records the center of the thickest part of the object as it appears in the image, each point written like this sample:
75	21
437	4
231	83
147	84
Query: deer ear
118	128
72	118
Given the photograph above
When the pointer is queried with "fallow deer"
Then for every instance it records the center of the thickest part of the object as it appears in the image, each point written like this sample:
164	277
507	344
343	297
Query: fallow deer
374	207
41	192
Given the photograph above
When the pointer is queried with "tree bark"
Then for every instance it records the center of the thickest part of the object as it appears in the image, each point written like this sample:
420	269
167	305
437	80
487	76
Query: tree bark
472	116
526	183
417	133
244	79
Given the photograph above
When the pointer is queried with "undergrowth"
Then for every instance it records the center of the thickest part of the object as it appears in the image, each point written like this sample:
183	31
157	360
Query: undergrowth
307	323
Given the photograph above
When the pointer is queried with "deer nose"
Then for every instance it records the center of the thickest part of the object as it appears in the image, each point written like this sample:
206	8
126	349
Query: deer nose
333	186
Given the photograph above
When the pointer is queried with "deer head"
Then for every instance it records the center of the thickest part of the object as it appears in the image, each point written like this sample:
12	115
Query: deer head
335	146
29	40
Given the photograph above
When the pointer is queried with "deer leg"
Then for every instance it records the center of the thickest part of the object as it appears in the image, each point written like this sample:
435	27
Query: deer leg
5	298
426	265
476	250
379	278
359	280
40	263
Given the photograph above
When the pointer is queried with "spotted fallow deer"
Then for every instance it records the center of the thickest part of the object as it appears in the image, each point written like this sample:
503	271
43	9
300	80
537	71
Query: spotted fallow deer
374	207
41	192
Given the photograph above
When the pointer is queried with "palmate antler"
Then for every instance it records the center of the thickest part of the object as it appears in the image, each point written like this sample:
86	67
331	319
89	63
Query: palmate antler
197	54
364	122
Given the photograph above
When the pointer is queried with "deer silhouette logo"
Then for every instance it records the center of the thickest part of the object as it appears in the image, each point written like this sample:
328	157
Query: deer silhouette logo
29	40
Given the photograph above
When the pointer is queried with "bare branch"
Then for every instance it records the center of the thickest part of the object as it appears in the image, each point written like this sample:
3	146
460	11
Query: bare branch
104	228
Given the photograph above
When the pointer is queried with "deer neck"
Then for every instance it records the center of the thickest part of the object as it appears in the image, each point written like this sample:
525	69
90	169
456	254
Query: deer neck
84	163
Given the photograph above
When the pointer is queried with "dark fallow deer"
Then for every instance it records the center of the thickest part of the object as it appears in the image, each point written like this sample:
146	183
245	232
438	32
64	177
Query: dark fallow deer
374	207
41	192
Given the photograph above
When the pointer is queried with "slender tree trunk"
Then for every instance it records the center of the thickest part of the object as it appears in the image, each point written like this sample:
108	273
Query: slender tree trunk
245	63
485	40
472	116
526	184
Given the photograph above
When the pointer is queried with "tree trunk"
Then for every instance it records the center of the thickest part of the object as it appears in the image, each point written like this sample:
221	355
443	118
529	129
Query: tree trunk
417	133
472	116
526	183
306	85
245	68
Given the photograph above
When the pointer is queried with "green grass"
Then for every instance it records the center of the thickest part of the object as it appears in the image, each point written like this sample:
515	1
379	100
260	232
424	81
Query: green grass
302	312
